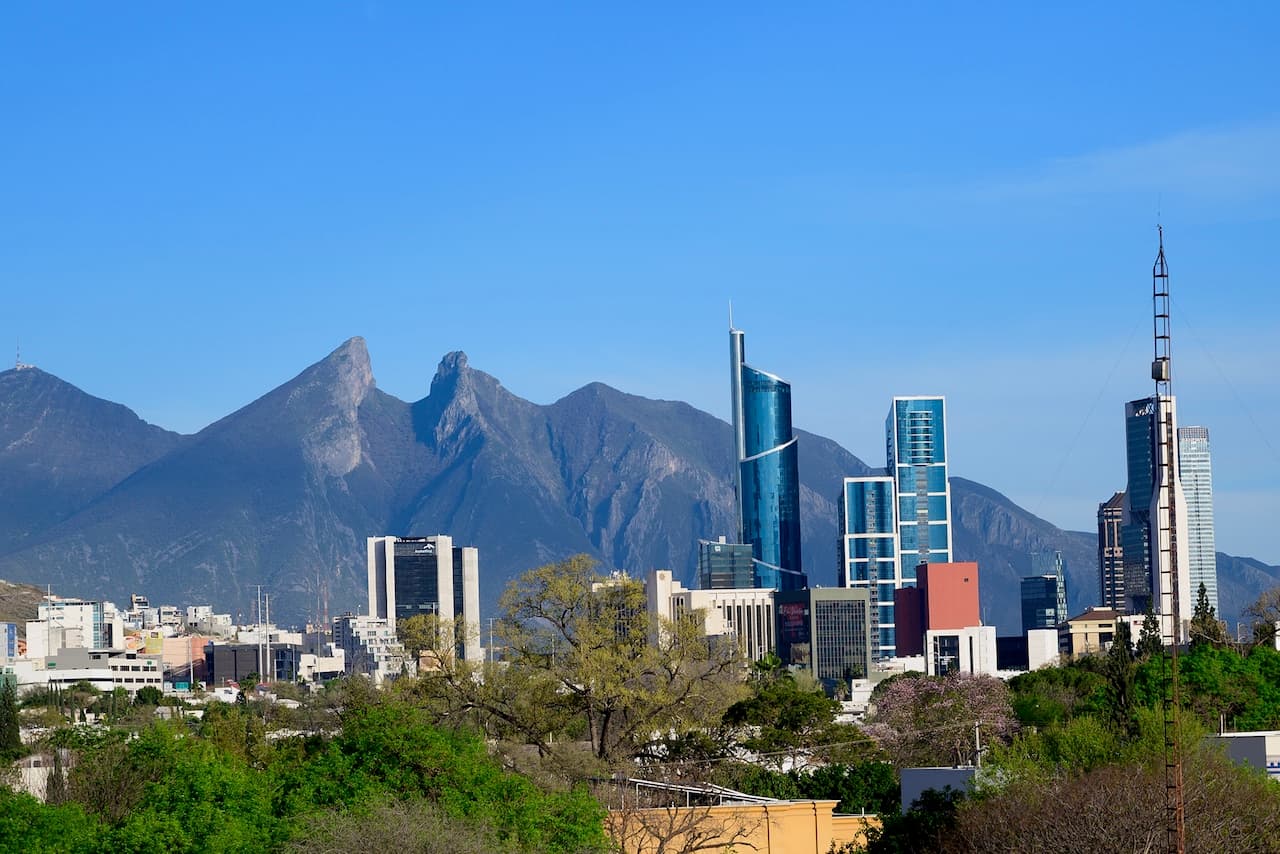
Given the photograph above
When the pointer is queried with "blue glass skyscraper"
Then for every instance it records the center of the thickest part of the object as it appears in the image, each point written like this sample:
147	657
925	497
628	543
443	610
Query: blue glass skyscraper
891	524
869	553
768	470
916	444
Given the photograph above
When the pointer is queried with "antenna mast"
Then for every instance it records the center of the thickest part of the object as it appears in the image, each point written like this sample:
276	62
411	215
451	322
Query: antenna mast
1166	549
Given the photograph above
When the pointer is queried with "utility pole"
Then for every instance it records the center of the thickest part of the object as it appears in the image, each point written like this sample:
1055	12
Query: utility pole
266	639
261	667
1166	547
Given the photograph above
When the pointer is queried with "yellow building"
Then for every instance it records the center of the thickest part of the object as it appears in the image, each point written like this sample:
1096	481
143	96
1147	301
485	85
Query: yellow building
773	827
1088	633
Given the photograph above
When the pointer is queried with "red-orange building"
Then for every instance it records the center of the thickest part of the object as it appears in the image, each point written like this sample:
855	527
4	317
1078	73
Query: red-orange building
950	592
946	598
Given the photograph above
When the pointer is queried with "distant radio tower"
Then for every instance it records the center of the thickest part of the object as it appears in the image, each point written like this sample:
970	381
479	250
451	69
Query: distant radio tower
17	361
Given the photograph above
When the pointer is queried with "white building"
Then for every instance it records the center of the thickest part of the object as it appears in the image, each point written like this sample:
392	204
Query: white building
409	576
104	669
73	623
1042	648
745	614
1197	489
968	650
369	646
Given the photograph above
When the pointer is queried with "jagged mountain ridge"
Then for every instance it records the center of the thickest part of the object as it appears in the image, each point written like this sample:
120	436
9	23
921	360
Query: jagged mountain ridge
283	492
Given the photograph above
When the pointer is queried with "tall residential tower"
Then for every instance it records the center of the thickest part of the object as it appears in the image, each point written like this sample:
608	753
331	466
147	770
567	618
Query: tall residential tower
1111	553
869	553
768	485
891	524
1197	487
916	442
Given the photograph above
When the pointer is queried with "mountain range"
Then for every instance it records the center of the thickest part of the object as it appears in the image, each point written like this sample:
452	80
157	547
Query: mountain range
283	492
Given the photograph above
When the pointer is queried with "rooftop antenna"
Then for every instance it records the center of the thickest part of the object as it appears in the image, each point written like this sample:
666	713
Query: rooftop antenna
731	314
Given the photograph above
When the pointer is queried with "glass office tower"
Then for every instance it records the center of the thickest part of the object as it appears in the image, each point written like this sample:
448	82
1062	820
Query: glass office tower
725	566
869	553
916	440
1197	488
768	471
1051	562
1146	513
1040	603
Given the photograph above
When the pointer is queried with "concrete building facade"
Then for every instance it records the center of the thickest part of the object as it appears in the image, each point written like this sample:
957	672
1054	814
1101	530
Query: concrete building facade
827	631
410	576
744	614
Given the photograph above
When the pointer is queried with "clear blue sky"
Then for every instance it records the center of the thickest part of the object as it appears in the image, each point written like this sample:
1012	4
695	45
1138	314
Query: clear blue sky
200	200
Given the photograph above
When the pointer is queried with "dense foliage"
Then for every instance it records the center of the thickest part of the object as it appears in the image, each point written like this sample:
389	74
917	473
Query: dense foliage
222	787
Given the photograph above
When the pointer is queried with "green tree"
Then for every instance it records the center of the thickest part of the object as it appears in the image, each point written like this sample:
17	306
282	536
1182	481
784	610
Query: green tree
788	723
10	723
925	827
1149	641
55	787
1056	694
392	747
580	658
1264	615
30	827
1205	625
861	787
148	695
1119	672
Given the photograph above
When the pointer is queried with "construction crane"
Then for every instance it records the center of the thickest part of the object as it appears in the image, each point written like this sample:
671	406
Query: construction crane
1167	550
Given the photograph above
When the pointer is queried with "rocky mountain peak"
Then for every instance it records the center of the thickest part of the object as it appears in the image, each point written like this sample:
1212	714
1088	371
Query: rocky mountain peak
332	442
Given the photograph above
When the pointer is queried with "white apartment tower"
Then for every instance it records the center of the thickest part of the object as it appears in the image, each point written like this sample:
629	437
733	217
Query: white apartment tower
1197	490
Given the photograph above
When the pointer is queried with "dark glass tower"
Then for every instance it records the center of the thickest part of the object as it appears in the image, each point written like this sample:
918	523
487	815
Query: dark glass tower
768	471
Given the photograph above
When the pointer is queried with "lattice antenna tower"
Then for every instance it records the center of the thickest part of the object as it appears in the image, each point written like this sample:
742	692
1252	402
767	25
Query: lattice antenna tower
1166	547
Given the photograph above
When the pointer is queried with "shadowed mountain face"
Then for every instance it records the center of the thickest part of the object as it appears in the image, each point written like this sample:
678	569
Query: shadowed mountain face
60	448
283	492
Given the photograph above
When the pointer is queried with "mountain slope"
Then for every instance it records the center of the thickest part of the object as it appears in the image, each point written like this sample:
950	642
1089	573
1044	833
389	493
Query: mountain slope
60	448
255	498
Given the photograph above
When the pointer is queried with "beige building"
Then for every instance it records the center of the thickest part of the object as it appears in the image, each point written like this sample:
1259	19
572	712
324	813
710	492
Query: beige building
776	827
1088	633
746	614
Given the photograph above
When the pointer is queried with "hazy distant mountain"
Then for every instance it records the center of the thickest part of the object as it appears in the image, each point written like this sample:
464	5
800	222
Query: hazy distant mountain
1240	581
283	492
60	448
